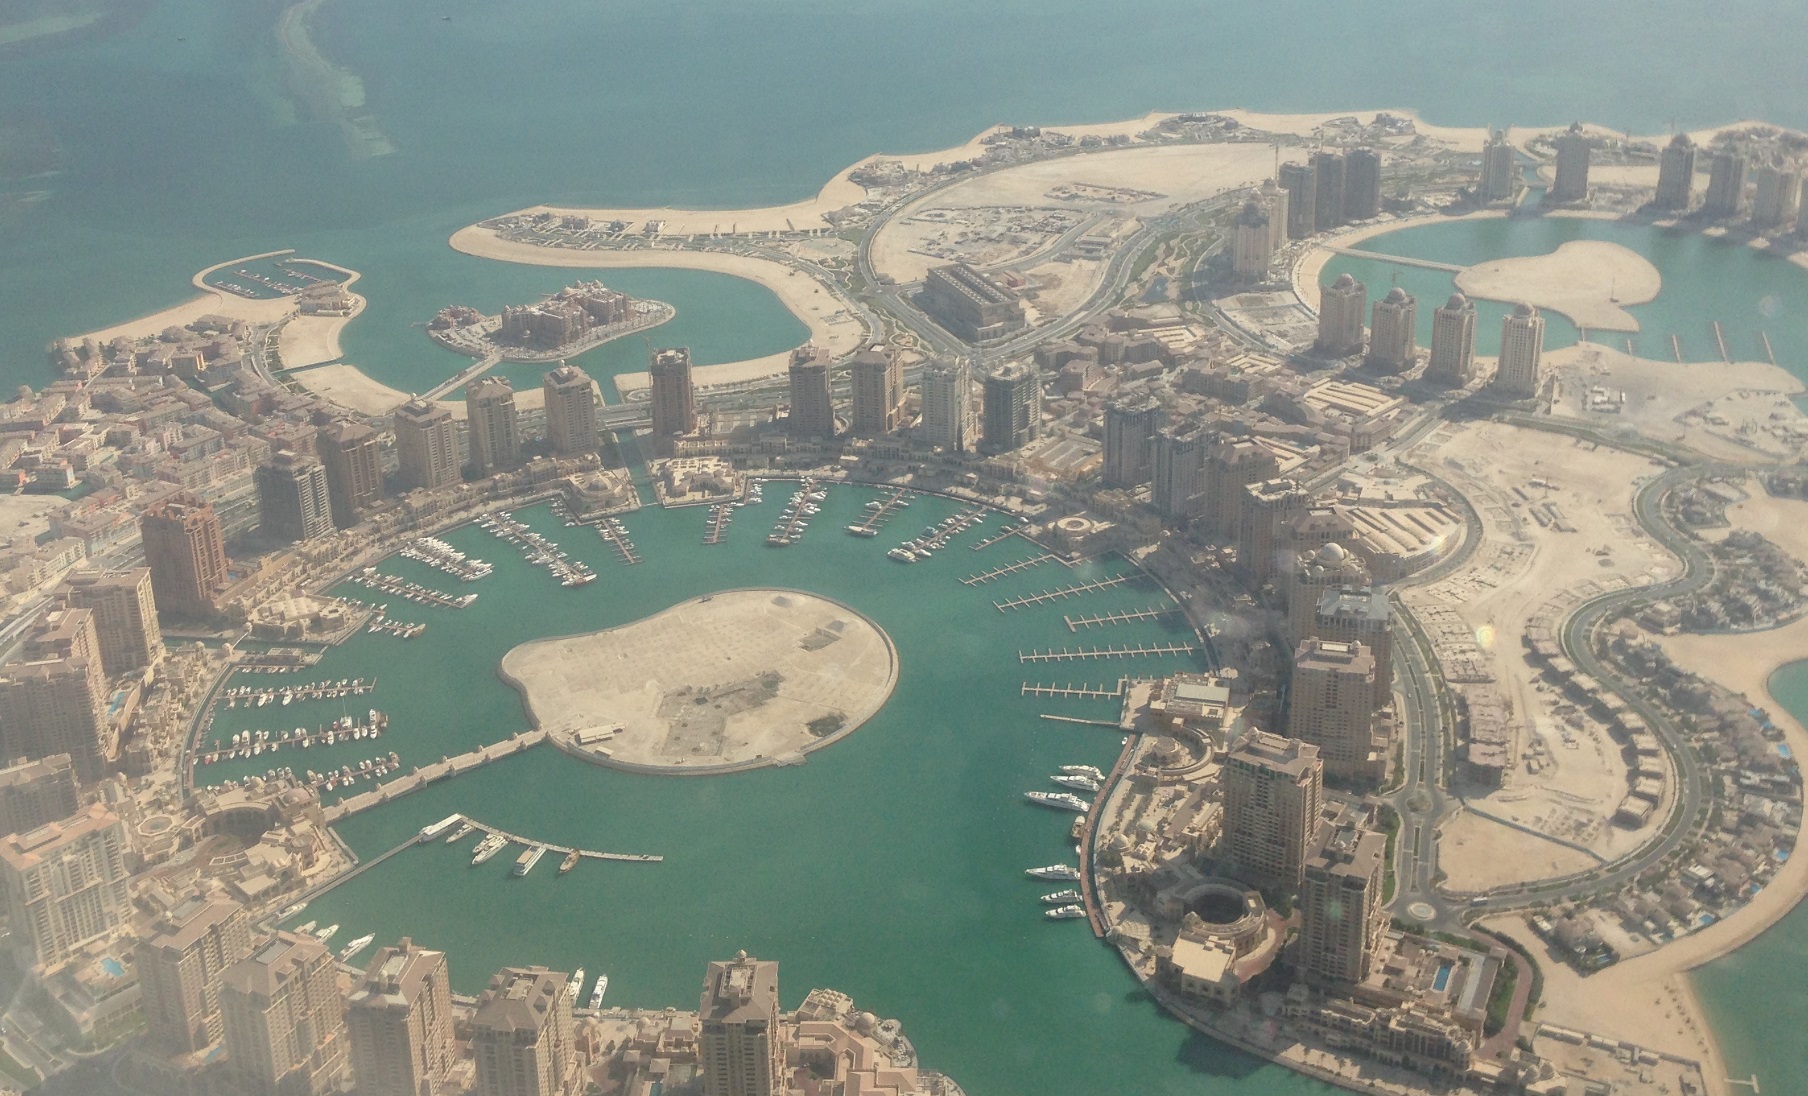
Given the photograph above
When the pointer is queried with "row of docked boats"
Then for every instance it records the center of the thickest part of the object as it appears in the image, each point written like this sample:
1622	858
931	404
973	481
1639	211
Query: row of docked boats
245	744
936	537
441	556
457	827
372	579
324	934
289	694
1068	904
806	502
539	550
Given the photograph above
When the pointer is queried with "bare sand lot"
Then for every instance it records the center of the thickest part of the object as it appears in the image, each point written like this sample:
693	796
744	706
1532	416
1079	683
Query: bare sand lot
312	340
28	516
1782	521
349	386
1586	281
734	680
210	302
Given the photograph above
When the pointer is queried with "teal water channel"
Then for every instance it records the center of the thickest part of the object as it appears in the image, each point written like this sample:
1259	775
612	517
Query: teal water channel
890	866
1705	279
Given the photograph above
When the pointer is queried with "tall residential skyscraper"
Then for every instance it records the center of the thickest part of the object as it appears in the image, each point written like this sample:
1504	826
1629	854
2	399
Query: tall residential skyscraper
1342	922
125	616
674	399
1394	333
1521	351
1331	704
186	553
493	424
741	1048
812	401
292	499
284	1019
1273	790
353	456
426	445
1726	184
1453	342
1500	169
33	793
1328	166
948	406
1361	184
57	706
1130	426
182	965
1275	200
1267	508
1231	465
1252	247
522	1036
65	886
1300	182
400	1022
878	393
1359	614
1777	198
1675	174
1573	152
1177	470
570	411
1340	314
1012	408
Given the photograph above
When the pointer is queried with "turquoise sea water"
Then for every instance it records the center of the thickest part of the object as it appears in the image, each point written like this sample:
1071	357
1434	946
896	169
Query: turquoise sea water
180	143
1705	280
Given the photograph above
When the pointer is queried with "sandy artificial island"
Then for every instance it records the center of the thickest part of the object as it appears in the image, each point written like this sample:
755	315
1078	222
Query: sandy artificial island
1584	280
730	681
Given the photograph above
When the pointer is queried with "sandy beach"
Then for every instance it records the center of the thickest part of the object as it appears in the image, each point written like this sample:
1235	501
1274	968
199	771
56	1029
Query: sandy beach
312	340
1308	271
1586	281
210	302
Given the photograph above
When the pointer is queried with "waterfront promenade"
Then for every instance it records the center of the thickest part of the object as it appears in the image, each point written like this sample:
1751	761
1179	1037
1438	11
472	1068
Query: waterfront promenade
442	769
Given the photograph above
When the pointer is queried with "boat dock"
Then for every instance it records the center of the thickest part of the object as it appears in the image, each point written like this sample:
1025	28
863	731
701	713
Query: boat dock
1139	651
440	556
325	690
1003	534
1720	341
1094	914
428	774
1764	337
1061	594
1077	692
717	526
615	534
1007	569
538	550
561	850
372	579
877	519
401	629
1153	612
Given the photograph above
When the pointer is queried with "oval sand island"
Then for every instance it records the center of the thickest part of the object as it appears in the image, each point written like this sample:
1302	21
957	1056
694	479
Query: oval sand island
721	683
1584	280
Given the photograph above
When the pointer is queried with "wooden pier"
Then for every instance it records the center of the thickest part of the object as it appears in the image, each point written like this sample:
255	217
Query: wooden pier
1146	650
1077	692
1061	594
1007	569
1676	349
1764	337
428	774
1720	341
373	579
1106	620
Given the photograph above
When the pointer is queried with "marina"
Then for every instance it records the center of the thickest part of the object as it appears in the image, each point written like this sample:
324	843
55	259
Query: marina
441	556
1107	620
1062	594
1078	692
1003	534
401	629
1008	569
541	551
795	517
715	525
496	839
257	742
248	697
879	512
615	534
1146	650
372	579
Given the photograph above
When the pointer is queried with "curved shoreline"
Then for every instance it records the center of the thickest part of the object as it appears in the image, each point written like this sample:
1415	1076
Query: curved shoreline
855	720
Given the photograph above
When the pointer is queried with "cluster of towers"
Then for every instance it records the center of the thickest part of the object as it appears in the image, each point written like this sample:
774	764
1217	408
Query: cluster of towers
1330	190
1776	188
1390	343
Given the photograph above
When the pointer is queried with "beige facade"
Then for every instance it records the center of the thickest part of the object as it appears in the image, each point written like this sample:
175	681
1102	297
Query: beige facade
65	886
1273	789
1521	354
741	1049
284	1019
878	407
426	445
353	455
186	552
1331	704
1453	342
182	966
948	407
674	398
33	793
1340	314
1253	245
522	1036
812	400
570	411
1394	333
125	616
494	425
400	1022
57	706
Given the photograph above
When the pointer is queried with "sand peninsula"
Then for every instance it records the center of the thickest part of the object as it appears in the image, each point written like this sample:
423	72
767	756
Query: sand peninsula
726	682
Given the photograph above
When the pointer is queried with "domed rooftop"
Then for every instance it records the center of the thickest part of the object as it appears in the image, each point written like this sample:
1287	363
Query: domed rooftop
1457	302
1344	281
1524	309
1681	140
1333	553
1396	295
